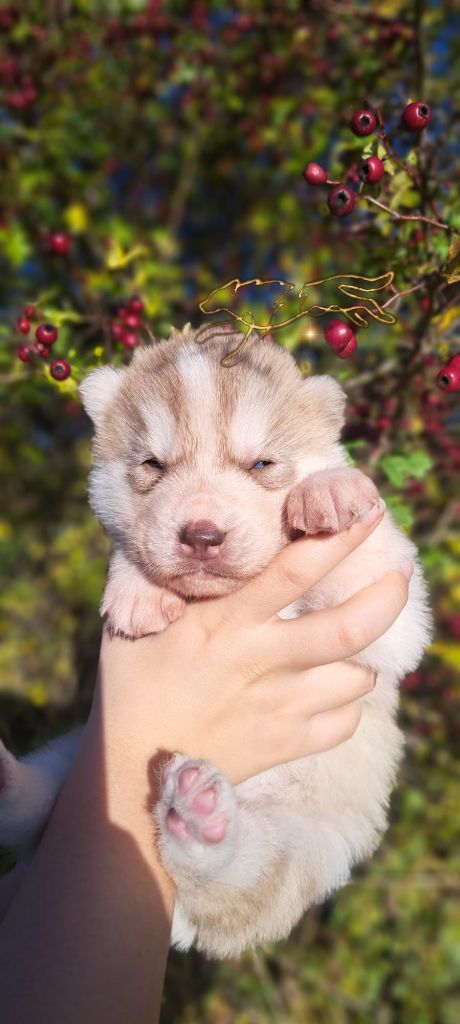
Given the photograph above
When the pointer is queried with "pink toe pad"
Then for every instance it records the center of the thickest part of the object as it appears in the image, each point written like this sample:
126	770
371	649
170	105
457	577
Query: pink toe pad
186	779
205	801
176	825
216	832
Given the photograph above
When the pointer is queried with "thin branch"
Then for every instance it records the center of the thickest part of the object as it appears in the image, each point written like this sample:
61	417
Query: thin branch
406	216
400	295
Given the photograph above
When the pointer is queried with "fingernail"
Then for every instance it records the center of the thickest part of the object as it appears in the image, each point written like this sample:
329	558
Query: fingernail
407	567
374	513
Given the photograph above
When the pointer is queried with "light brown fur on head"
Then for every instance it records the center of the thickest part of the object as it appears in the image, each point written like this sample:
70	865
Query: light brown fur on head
208	425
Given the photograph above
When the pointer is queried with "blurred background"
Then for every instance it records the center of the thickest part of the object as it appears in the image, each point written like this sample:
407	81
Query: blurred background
157	150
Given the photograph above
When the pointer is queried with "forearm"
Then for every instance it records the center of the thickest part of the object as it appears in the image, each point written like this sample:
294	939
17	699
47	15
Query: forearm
87	934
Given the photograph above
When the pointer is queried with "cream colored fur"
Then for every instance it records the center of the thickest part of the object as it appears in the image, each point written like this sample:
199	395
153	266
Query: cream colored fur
294	832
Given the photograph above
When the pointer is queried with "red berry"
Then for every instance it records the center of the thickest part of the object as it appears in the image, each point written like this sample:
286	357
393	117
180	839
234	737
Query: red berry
448	379
372	170
132	321
42	349
314	174
425	304
23	325
363	122
30	311
59	243
384	422
25	353
118	330
341	200
135	304
338	334
348	349
130	339
122	312
416	116
60	369
46	333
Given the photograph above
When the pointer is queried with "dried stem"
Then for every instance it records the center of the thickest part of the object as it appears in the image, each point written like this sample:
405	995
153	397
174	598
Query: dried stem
400	295
406	216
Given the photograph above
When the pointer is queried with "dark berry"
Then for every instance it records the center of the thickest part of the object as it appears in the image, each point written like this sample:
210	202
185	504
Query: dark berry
314	174
363	122
448	378
60	369
416	116
372	170
46	333
338	334
59	243
136	305
341	200
23	325
42	349
130	339
25	353
30	311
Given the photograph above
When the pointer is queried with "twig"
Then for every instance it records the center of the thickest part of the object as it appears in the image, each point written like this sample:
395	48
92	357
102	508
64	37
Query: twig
407	216
441	529
11	378
363	378
400	295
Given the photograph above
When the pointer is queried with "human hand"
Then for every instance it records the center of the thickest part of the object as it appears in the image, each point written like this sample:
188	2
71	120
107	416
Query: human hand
232	683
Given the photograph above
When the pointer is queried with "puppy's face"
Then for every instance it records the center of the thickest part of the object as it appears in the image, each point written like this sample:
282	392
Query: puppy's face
193	461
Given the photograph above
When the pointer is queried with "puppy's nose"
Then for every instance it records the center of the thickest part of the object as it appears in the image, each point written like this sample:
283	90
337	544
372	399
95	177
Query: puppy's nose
203	537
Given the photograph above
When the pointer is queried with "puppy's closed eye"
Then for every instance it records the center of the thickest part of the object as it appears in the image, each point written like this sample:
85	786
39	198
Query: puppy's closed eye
153	463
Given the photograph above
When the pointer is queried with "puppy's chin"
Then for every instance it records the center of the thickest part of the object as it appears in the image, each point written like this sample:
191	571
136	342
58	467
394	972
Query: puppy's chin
204	584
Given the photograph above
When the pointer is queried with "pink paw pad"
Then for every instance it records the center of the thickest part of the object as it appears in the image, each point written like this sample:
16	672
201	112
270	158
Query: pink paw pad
196	805
176	825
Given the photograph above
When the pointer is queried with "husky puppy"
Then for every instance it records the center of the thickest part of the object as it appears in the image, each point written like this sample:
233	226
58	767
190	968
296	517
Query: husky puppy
202	473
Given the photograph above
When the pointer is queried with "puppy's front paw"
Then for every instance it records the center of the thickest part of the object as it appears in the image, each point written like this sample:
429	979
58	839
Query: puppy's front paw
330	501
196	815
134	608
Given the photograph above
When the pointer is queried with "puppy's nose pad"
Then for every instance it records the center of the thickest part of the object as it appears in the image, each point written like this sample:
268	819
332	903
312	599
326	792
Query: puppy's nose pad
201	536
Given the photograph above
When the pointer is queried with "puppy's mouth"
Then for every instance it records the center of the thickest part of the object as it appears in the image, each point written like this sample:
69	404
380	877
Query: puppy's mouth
205	580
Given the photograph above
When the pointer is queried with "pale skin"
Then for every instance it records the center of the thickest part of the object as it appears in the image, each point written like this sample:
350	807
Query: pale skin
86	933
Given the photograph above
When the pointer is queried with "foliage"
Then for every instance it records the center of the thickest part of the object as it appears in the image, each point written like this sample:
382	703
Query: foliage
167	141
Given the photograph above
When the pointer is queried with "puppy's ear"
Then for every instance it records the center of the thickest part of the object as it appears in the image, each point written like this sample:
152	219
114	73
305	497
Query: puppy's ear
98	389
326	404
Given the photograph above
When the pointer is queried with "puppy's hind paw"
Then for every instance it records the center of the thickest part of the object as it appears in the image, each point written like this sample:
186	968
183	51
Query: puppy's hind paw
196	815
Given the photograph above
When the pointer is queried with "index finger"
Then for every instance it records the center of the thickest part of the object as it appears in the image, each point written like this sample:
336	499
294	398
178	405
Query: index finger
298	567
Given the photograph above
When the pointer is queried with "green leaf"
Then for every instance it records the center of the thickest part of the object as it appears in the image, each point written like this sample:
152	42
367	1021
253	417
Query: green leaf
398	467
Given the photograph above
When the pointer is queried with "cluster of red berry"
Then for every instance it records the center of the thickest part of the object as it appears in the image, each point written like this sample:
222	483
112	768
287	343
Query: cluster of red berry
46	336
342	199
126	328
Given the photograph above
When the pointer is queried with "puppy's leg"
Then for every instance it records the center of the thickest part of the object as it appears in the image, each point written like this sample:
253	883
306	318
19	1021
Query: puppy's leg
132	605
28	790
245	867
330	500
